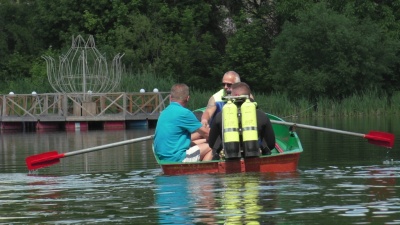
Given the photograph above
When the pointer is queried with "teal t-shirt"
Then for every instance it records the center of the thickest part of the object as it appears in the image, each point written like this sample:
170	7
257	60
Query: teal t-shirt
174	128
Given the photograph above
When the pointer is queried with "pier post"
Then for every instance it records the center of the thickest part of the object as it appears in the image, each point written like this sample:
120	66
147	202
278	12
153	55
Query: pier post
65	105
4	113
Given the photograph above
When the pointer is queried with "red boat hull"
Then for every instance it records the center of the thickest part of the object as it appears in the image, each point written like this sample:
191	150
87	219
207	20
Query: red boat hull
283	158
264	164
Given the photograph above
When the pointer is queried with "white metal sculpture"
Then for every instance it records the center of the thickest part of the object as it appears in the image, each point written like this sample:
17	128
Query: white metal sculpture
83	69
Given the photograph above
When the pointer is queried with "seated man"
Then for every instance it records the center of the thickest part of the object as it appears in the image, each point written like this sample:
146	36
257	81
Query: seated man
178	132
215	103
266	133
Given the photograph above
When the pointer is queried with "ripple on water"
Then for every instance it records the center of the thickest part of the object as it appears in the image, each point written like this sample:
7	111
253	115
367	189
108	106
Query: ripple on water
328	195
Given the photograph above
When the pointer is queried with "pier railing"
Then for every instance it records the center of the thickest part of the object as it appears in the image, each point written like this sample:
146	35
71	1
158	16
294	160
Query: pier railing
82	107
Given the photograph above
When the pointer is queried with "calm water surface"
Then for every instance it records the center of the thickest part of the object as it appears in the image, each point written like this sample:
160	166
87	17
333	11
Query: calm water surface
340	180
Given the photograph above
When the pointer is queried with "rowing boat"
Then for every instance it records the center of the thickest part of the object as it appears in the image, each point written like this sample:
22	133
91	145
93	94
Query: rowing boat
283	158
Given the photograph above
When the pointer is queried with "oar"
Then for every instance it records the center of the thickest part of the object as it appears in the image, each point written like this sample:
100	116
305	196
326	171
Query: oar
46	159
374	137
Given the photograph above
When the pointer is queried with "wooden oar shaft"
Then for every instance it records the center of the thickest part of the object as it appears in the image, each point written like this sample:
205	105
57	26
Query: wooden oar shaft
317	128
115	144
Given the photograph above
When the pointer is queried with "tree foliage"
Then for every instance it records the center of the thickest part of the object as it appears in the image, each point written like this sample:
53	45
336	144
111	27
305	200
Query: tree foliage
332	55
331	48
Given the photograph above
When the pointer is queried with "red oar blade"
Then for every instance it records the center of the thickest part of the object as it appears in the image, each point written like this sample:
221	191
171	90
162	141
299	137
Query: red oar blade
41	160
380	138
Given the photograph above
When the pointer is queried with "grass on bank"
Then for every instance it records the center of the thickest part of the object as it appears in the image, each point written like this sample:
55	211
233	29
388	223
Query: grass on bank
366	104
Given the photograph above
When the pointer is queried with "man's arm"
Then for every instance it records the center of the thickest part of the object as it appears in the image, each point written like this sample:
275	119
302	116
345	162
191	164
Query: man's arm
267	132
209	112
215	130
202	132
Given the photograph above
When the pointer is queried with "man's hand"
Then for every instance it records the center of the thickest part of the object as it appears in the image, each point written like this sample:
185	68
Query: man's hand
205	123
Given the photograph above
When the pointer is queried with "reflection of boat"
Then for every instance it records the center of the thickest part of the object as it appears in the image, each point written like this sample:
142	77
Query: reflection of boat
283	158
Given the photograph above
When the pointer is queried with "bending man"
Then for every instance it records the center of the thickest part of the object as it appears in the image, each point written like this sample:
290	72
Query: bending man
266	135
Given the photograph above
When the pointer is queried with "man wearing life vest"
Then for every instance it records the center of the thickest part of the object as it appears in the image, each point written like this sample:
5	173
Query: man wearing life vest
265	132
215	103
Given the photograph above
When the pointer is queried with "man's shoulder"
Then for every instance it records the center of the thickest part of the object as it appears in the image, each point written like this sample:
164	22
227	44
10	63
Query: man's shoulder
220	92
261	113
175	108
218	95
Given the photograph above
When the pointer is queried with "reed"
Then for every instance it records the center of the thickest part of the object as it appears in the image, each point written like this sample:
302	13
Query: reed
394	105
368	103
275	103
26	86
364	104
199	98
146	79
326	107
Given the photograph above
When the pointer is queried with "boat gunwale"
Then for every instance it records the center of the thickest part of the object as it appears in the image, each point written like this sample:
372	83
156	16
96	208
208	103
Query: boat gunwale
296	151
162	162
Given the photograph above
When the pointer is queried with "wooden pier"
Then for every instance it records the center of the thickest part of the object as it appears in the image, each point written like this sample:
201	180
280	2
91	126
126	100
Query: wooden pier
77	111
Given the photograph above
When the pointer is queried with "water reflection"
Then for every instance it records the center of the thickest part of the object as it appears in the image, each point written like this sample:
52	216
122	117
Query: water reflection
366	194
172	200
382	184
328	195
240	199
341	180
219	199
17	146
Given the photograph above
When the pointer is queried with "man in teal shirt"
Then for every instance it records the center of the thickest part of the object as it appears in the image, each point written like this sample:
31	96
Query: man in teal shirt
176	131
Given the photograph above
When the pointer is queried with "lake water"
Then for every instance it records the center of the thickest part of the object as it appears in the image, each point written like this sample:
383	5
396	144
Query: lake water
341	179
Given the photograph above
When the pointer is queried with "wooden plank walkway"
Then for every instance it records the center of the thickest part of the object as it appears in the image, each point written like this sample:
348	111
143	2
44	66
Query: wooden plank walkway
78	107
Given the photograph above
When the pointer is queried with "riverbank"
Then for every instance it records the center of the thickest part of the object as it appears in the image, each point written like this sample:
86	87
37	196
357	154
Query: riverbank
367	104
371	103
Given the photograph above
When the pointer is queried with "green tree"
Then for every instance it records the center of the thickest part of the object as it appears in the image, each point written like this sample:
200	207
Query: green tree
178	39
17	45
189	51
330	54
246	53
385	13
250	41
334	46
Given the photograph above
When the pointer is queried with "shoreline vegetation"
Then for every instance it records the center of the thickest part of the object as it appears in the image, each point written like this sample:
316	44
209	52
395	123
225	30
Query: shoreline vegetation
300	58
367	104
370	103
